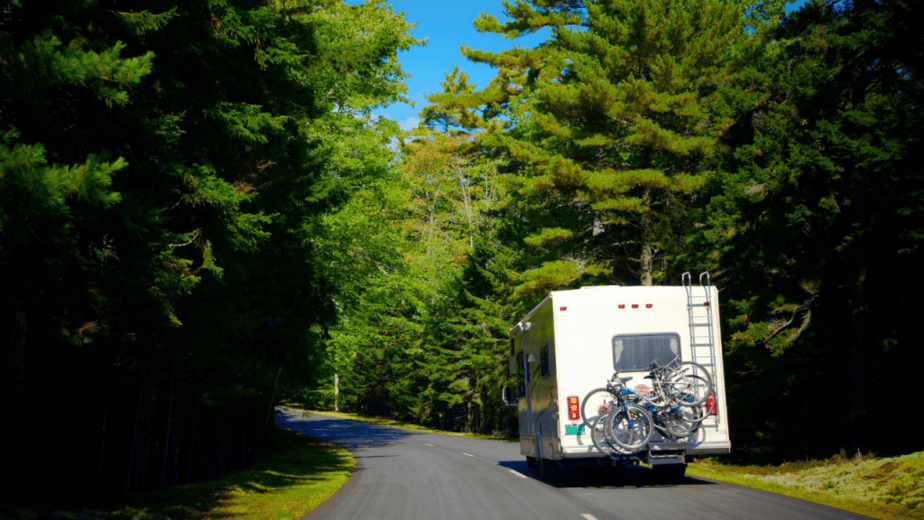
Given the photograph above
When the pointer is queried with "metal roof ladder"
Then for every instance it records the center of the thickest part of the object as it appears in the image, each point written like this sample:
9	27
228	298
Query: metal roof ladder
702	325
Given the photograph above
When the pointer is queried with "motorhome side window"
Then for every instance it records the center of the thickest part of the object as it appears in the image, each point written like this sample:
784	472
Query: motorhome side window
513	361
636	352
521	375
545	366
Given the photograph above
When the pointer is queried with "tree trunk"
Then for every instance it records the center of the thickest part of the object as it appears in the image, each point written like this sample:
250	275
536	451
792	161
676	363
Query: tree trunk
244	449
102	449
432	218
647	255
269	413
175	454
127	488
192	444
18	346
166	457
221	450
143	482
214	464
466	202
857	371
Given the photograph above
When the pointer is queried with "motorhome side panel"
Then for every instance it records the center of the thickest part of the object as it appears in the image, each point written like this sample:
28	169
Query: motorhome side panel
538	412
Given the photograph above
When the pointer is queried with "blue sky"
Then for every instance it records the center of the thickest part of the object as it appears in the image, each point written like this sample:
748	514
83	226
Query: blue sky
447	24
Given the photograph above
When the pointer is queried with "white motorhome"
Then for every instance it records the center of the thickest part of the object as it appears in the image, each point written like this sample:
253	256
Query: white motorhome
574	341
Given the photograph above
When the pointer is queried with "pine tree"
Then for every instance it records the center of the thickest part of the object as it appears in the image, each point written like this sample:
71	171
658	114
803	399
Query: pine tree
816	223
612	116
165	173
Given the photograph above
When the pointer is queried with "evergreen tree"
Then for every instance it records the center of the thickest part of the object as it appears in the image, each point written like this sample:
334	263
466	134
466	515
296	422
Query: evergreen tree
166	170
613	116
817	223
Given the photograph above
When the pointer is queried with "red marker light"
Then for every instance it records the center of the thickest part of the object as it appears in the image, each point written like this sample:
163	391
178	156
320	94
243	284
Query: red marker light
710	405
647	305
705	304
635	306
562	308
622	306
574	411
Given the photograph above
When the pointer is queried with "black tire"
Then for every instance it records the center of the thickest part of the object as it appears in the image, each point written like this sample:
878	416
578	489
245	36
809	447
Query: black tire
669	473
597	398
630	429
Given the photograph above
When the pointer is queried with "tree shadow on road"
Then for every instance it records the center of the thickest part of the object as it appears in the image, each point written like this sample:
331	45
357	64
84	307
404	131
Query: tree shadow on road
351	435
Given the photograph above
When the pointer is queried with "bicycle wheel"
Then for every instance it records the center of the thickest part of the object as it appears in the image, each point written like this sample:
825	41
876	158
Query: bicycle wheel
680	421
596	404
631	428
689	385
598	436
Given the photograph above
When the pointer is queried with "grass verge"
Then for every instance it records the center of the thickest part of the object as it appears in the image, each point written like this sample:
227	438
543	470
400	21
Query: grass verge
301	474
298	477
388	421
887	488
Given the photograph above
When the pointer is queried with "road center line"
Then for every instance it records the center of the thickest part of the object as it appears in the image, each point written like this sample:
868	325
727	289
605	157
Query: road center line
467	454
517	473
588	516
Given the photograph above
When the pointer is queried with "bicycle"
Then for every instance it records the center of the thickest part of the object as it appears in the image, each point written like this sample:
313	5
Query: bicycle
670	419
624	423
688	383
673	411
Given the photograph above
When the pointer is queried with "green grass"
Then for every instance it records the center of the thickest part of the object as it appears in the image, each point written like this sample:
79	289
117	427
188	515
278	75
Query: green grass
301	473
388	421
292	481
891	487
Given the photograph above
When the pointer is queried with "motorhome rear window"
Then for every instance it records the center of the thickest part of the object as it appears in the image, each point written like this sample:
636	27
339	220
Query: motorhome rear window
636	352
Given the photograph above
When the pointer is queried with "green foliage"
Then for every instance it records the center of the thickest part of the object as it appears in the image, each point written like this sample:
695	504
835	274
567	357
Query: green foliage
813	223
420	343
199	212
170	176
616	114
810	155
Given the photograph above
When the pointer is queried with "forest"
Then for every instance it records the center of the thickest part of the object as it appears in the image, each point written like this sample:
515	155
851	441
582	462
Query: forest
201	217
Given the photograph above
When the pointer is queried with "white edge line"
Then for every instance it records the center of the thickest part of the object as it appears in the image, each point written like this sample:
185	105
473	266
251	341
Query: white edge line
467	454
428	444
588	516
517	473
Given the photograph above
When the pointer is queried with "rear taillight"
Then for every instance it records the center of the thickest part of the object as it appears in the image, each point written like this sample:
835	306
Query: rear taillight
710	405
574	409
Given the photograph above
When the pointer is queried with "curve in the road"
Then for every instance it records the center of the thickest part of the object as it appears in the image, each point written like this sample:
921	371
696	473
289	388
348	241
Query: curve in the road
403	474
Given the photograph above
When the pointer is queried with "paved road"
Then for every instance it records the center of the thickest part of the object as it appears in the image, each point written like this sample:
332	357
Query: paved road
403	474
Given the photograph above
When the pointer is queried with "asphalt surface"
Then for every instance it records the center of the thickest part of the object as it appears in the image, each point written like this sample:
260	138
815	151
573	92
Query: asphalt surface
402	474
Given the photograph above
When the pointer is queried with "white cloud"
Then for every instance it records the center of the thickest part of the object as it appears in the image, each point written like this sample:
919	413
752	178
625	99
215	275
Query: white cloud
410	123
